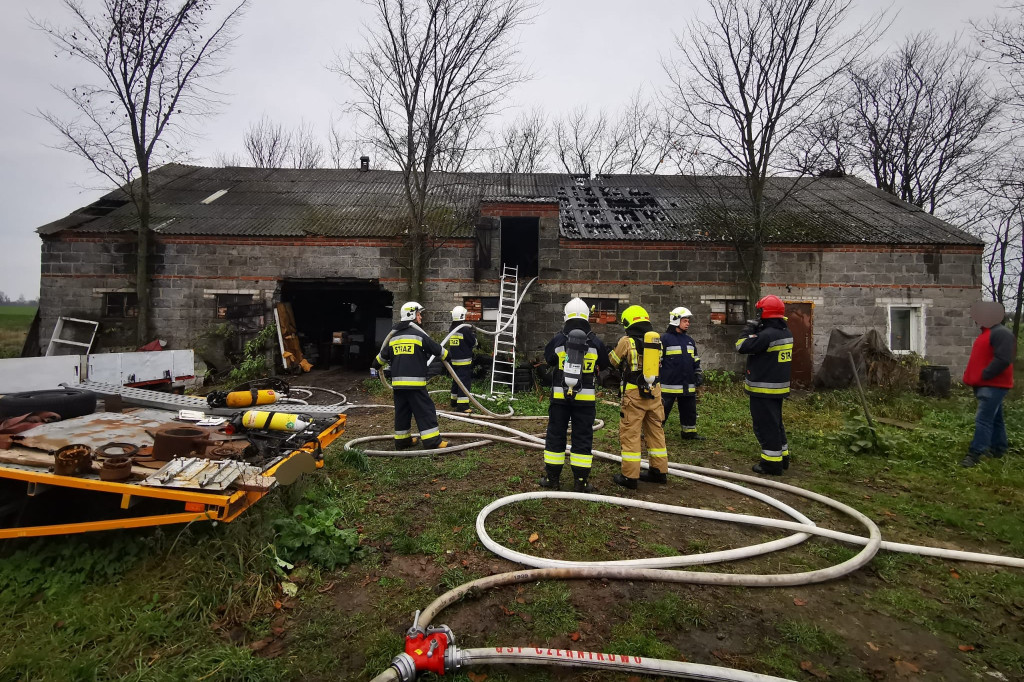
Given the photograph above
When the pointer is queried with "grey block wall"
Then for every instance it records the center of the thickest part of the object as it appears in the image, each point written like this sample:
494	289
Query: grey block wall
850	288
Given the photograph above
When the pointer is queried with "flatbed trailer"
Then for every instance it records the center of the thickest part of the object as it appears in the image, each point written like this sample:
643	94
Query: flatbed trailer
57	505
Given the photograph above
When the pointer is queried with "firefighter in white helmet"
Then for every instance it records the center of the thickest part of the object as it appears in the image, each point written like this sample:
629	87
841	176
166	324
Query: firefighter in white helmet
577	354
407	352
680	372
460	346
638	356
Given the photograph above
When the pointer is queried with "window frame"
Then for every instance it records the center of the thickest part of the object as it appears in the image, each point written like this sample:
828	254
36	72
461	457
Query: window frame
599	314
128	308
917	339
220	311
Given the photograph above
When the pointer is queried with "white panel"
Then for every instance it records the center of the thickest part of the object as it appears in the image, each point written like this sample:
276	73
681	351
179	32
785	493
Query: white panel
105	368
38	374
183	362
147	366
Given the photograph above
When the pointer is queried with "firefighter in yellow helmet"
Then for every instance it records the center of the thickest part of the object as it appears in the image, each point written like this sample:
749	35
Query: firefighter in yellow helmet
638	357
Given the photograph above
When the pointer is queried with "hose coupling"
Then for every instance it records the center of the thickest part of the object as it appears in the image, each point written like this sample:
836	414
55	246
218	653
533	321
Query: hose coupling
430	649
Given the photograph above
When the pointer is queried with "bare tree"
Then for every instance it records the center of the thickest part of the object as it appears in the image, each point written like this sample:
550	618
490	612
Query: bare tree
430	73
521	147
636	140
343	149
1001	40
155	61
925	121
224	159
267	143
305	150
746	81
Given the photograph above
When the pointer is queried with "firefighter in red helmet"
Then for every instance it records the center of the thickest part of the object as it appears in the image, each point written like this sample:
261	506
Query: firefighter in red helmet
768	345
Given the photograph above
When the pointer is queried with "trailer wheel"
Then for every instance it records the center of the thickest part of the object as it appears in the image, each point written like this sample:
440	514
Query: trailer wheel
67	402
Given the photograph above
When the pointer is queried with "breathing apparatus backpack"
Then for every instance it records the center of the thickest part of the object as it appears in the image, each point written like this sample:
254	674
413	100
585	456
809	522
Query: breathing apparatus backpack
572	367
645	363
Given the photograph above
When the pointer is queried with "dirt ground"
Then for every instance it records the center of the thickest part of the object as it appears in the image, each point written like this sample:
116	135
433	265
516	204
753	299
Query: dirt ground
835	630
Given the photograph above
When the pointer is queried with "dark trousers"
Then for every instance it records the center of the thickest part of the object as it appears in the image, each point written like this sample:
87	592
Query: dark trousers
766	414
465	374
581	415
687	409
415	402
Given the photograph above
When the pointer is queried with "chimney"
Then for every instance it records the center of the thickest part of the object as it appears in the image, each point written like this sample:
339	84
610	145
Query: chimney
364	163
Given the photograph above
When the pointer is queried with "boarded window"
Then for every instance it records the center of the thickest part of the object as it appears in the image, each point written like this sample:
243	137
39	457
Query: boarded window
604	310
120	304
235	306
736	312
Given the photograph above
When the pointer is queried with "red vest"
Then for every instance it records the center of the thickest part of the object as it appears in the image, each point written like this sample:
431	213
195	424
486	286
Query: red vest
981	356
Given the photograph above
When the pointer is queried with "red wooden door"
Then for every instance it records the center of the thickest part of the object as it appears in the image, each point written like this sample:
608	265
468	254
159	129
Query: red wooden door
801	324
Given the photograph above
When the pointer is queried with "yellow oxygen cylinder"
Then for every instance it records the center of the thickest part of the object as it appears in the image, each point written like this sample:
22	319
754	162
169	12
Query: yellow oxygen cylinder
652	357
275	421
250	398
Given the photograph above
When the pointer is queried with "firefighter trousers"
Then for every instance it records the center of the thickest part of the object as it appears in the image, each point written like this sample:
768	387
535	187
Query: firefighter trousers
766	416
415	402
687	409
641	416
459	399
560	414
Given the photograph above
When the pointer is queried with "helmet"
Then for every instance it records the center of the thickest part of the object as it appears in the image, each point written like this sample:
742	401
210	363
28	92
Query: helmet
410	309
678	314
634	314
771	306
458	313
576	308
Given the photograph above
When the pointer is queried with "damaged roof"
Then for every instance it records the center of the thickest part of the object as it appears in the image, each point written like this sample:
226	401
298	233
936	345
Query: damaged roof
257	202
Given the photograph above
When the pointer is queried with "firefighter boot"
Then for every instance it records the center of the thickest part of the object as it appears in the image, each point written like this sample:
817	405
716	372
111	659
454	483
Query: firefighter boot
581	480
627	483
552	472
785	462
652	475
764	466
691	435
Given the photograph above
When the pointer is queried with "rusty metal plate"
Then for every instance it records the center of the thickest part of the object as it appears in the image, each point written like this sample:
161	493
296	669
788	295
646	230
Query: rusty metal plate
97	429
202	474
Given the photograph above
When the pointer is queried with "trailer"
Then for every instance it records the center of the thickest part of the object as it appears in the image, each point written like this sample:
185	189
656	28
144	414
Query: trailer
216	478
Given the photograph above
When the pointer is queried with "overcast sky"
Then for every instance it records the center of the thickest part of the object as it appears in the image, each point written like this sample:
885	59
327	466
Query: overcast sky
594	52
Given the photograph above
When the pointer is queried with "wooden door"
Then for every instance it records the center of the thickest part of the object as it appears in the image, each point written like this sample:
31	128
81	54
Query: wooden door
801	324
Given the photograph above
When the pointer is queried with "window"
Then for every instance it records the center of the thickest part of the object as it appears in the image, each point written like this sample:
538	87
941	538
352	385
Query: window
906	329
603	310
234	306
120	304
727	311
481	308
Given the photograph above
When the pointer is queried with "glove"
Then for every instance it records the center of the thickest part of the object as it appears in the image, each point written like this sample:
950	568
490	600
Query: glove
751	327
698	377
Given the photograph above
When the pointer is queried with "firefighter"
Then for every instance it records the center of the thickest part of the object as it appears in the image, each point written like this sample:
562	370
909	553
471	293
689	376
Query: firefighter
680	372
577	355
768	345
407	351
460	346
638	355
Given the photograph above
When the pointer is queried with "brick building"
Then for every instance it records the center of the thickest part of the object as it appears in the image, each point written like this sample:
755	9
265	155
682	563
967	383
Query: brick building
229	242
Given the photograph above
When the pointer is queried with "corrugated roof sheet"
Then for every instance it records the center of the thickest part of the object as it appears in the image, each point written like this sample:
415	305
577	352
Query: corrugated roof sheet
354	203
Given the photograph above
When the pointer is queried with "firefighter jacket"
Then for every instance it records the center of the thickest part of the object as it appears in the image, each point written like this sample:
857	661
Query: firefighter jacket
769	351
679	362
460	345
407	351
595	358
628	353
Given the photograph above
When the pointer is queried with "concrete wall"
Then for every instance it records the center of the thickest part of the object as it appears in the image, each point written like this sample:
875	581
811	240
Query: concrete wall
850	287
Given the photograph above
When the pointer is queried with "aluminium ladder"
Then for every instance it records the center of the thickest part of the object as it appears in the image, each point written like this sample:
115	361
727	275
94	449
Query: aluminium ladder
503	366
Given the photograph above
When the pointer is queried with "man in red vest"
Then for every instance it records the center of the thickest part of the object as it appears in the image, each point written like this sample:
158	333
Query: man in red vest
990	372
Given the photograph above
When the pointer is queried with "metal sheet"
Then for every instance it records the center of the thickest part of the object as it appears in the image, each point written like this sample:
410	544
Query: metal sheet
97	429
171	401
38	374
195	473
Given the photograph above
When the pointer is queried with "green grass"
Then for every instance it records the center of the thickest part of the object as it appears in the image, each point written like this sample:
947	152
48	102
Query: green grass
15	321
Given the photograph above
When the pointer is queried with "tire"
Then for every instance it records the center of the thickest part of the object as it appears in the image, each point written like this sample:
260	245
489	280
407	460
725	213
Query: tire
67	402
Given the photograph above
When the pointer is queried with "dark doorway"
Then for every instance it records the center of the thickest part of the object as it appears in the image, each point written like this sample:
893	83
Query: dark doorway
519	245
339	322
801	324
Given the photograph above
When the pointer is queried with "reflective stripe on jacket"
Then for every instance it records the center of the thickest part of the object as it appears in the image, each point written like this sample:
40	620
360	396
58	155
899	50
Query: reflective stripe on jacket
460	345
407	351
769	359
595	358
679	363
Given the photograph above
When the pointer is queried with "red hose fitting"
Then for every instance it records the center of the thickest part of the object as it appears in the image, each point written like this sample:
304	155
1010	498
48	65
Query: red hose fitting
428	648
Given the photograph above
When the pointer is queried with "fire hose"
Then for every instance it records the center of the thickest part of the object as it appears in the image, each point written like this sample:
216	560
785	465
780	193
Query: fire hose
432	648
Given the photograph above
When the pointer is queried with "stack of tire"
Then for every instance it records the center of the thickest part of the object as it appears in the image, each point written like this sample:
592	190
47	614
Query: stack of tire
67	402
